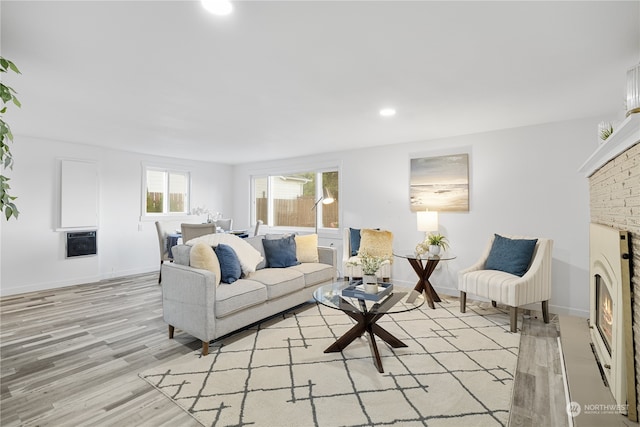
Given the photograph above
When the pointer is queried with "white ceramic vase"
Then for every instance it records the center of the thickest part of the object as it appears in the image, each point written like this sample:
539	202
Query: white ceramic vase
434	249
370	283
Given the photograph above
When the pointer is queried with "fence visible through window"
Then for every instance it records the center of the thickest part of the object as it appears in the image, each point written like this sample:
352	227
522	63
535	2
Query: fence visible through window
297	212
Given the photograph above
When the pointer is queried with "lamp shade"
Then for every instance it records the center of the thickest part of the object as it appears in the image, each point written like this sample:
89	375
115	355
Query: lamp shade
327	197
428	221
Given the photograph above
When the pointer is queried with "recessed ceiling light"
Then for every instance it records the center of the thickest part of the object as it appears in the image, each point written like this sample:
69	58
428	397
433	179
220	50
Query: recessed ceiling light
217	7
388	112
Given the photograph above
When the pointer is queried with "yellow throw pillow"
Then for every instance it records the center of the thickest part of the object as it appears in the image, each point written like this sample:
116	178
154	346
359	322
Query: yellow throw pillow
202	256
376	242
307	248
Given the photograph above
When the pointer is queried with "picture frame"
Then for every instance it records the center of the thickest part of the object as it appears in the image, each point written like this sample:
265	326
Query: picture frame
440	183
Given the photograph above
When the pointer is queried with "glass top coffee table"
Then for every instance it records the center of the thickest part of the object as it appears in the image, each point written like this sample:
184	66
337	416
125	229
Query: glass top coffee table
366	313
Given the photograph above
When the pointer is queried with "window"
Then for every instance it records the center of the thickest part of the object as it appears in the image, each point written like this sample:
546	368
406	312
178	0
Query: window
166	191
297	199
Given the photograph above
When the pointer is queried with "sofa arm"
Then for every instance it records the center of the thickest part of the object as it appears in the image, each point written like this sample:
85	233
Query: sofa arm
328	255
188	300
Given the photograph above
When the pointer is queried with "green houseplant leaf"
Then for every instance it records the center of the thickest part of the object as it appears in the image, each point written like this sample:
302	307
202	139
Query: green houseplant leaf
7	94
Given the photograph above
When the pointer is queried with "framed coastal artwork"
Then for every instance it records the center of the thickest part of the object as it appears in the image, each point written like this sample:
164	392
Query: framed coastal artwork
440	183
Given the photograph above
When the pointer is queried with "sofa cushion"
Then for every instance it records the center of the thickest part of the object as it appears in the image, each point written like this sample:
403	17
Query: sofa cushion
202	256
494	284
510	255
238	296
307	248
230	269
315	273
279	281
256	242
248	256
280	252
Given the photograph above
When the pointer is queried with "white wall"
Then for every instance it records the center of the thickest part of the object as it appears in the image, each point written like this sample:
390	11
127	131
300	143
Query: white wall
523	181
33	251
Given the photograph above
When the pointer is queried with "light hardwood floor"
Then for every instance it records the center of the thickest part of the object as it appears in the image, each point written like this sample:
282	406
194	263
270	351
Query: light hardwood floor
70	357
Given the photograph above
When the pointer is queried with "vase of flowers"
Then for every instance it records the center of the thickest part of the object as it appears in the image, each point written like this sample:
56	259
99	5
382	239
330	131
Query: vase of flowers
370	266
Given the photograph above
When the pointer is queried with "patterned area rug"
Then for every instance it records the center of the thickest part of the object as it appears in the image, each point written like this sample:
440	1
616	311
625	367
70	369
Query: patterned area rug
457	370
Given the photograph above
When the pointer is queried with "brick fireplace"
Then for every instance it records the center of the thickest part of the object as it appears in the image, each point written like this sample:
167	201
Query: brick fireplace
614	187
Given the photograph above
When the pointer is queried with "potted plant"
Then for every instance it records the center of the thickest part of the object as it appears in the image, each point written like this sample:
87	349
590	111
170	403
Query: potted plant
370	265
436	242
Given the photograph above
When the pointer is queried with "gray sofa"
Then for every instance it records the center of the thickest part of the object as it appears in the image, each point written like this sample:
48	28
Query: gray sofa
193	303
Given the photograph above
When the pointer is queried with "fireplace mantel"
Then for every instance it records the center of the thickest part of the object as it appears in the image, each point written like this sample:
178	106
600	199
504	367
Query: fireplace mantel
621	139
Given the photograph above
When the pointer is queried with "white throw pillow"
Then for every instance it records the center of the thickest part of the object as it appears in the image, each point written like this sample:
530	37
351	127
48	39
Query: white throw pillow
202	256
249	256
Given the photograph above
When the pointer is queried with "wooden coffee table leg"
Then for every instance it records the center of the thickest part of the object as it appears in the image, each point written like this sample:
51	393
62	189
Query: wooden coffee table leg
355	332
387	337
366	324
374	349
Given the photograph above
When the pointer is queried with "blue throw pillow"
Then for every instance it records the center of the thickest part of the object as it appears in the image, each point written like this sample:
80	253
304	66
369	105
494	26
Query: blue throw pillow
510	255
230	269
354	240
280	252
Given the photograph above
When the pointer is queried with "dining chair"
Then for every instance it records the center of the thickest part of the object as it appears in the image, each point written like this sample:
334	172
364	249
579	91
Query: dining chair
225	224
258	224
191	231
162	243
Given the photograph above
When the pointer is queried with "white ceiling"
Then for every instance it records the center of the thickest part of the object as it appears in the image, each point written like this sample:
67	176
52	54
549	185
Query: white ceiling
283	79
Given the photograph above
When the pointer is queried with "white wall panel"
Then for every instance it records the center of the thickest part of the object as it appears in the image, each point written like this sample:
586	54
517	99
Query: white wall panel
78	194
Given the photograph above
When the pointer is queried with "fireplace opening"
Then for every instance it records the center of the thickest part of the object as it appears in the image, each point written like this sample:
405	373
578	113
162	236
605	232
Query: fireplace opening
604	313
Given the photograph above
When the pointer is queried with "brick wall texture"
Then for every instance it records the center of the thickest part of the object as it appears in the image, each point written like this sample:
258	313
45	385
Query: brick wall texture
615	201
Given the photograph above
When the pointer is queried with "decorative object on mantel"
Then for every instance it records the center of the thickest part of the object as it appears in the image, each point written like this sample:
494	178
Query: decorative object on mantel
633	90
624	137
605	129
